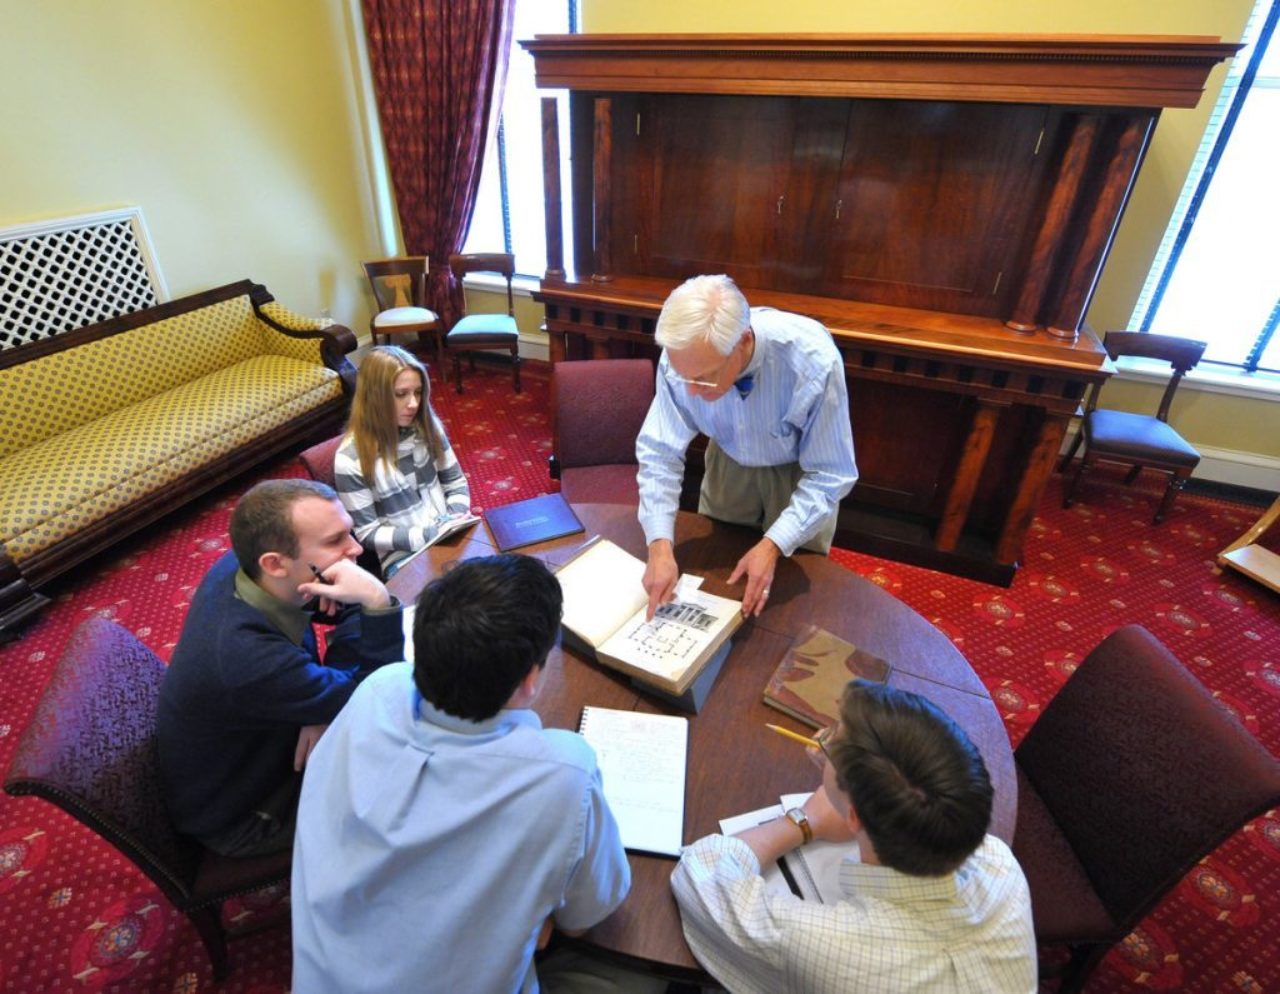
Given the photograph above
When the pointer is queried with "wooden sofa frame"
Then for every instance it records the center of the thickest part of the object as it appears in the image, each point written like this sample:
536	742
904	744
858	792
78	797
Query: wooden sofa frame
20	598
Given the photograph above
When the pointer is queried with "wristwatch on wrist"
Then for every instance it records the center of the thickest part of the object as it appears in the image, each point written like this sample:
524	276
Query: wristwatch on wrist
798	818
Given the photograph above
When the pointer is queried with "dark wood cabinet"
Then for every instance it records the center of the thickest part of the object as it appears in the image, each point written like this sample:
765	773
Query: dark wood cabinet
943	204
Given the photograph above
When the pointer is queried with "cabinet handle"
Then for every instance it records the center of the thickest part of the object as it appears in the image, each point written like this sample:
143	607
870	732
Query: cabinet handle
780	200
839	204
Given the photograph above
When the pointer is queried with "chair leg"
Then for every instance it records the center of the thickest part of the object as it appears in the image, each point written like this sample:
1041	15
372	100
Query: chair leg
1071	452
457	372
1176	482
1068	495
515	367
208	923
1082	963
1132	475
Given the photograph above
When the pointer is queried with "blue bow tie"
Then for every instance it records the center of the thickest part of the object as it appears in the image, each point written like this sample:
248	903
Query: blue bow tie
744	384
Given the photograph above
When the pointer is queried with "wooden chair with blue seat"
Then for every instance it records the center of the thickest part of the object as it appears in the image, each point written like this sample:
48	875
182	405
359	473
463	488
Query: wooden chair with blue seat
90	750
1133	774
484	332
1139	440
400	289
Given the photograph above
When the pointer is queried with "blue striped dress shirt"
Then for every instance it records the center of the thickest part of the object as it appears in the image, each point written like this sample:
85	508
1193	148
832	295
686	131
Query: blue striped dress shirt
796	412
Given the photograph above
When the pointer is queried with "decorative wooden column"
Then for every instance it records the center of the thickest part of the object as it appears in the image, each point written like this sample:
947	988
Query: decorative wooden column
602	191
554	214
1031	486
977	446
1121	171
1063	205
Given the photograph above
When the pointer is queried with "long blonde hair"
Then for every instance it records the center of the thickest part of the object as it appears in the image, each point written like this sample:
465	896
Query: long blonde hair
372	423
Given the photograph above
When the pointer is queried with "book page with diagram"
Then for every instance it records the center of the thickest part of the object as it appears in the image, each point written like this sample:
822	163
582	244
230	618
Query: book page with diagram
683	632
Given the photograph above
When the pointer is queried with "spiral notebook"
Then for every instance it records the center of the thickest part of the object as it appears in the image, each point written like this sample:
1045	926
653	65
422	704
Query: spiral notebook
642	759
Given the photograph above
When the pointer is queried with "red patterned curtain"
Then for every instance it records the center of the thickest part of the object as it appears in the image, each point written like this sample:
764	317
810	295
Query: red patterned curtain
438	68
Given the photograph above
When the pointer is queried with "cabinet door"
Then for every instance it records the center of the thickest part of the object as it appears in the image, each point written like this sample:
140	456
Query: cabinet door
932	203
697	181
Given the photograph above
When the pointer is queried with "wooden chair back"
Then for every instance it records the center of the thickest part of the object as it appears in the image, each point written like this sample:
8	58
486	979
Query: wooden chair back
399	282
503	263
1181	354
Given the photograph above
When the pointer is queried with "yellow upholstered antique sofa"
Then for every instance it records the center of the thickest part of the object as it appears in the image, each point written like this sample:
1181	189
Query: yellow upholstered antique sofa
106	428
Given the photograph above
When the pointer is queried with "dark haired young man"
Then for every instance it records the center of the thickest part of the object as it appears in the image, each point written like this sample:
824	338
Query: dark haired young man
931	902
245	696
442	829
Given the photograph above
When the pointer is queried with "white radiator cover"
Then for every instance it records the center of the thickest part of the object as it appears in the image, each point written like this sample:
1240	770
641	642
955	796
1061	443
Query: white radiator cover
69	272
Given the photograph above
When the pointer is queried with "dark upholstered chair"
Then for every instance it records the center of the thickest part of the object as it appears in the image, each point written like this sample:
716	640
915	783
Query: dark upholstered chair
477	332
318	461
400	288
90	750
1131	775
1138	439
598	406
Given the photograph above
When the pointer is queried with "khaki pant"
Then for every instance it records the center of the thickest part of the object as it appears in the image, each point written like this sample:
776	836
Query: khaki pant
754	495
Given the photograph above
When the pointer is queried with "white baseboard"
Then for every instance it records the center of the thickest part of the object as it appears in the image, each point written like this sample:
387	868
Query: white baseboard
532	347
1240	469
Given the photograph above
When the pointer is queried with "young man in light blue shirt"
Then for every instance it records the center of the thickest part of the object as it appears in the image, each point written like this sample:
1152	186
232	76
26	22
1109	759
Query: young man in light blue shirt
442	830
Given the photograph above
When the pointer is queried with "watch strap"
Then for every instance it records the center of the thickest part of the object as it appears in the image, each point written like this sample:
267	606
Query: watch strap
798	818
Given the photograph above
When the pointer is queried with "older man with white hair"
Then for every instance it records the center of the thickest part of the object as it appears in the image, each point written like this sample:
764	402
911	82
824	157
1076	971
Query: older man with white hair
768	389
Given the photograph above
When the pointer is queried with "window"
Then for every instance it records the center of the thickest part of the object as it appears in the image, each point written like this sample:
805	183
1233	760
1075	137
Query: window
509	204
1216	276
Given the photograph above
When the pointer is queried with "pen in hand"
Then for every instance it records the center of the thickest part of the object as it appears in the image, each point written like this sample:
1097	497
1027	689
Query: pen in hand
319	576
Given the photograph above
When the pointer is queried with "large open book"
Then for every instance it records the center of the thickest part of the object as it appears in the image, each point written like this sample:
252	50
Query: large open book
642	760
604	609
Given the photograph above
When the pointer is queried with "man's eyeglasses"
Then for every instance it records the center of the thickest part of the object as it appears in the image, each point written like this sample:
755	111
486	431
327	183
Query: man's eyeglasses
709	384
823	740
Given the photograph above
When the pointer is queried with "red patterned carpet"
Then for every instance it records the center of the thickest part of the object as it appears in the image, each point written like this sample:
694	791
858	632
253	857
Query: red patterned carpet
74	916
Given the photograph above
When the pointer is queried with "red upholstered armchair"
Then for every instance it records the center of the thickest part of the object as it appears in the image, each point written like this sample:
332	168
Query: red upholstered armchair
598	406
90	750
1131	775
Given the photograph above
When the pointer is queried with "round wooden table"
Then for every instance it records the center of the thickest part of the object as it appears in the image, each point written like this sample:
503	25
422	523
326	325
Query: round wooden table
735	763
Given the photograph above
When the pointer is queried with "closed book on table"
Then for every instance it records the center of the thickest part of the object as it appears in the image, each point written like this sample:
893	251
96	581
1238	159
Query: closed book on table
808	683
527	522
604	616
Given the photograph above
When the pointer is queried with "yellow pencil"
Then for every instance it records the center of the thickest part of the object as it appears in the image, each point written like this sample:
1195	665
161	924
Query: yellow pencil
794	736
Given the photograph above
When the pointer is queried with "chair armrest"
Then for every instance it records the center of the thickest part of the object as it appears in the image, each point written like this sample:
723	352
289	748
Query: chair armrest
335	340
283	319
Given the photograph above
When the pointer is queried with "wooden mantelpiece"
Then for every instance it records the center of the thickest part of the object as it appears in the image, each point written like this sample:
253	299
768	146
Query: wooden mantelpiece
943	204
1096	70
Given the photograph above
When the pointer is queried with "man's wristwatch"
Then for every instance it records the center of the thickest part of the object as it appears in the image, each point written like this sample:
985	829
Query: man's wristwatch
798	818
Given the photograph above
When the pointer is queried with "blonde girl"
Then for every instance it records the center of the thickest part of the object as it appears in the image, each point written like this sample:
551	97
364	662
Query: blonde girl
394	470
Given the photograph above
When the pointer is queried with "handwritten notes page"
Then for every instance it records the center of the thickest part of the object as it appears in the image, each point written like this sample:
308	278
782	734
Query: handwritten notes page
642	761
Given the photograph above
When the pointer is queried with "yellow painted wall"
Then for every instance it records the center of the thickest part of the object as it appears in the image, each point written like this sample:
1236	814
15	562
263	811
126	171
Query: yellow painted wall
232	124
237	126
1240	424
